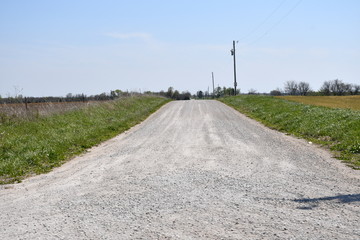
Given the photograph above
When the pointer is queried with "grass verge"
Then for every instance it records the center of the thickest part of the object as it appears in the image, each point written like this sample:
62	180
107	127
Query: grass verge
337	129
38	145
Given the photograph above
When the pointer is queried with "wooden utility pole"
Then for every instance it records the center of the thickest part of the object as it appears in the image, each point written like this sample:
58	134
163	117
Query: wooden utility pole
212	74
233	54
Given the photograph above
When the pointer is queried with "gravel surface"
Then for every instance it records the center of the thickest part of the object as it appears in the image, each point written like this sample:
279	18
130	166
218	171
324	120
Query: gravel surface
193	170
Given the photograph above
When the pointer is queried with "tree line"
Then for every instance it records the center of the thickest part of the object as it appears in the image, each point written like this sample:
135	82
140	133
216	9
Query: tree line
218	92
329	88
68	98
173	94
105	96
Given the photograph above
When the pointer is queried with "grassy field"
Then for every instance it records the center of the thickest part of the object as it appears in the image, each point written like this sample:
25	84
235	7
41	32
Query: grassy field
337	129
20	110
36	145
348	102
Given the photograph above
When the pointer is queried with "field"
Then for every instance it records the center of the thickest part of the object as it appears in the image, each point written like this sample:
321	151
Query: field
33	144
20	110
348	102
336	129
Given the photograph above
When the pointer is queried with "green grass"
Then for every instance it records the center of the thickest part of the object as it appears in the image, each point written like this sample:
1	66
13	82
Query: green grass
337	129
36	145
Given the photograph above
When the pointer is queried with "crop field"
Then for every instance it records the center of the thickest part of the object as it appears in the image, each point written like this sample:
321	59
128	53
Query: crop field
348	102
335	128
33	144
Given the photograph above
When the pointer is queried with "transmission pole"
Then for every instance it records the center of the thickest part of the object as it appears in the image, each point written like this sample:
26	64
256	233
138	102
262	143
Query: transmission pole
212	74
233	54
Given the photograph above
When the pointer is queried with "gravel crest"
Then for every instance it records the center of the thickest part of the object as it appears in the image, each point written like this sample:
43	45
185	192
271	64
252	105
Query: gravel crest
192	170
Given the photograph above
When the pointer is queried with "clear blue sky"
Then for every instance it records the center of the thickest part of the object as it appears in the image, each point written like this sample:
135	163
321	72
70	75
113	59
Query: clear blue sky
51	48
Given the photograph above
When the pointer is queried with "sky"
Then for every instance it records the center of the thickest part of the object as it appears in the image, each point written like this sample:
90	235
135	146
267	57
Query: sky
52	48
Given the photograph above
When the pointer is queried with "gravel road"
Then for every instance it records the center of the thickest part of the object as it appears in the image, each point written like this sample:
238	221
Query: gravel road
193	170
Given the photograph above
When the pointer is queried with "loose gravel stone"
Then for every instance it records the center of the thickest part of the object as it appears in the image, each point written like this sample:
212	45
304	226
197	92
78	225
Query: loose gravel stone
193	170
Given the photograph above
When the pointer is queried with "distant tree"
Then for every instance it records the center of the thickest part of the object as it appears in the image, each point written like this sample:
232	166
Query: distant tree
218	92
355	89
252	91
170	92
337	87
200	94
303	88
162	93
276	92
207	94
113	94
18	90
101	97
176	95
326	88
118	92
291	87
185	96
348	88
228	91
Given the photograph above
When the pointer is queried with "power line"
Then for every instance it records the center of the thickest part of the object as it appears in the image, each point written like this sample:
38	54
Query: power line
265	33
264	21
276	24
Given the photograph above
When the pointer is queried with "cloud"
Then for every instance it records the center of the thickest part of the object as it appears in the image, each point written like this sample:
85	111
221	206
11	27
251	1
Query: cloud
138	35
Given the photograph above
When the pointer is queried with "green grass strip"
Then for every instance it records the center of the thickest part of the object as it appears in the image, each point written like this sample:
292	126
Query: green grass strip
337	129
38	145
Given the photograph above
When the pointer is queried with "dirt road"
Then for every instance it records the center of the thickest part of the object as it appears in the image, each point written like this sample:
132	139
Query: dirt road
193	170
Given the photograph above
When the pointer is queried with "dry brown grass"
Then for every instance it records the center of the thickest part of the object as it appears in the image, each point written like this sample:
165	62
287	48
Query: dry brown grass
41	109
348	102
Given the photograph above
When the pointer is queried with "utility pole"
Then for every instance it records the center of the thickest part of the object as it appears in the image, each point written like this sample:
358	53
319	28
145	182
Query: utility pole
233	54
212	74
